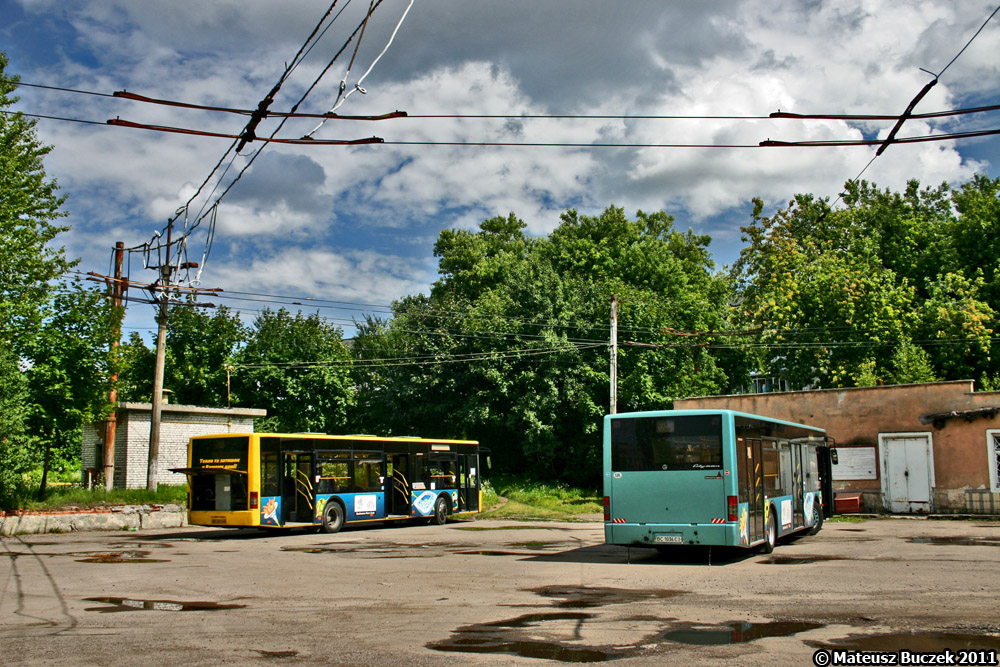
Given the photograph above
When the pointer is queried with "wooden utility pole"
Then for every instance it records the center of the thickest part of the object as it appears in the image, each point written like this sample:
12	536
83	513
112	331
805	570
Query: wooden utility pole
118	288
614	354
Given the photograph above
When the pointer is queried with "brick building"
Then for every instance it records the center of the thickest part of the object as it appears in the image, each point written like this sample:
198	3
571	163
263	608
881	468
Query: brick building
915	448
178	423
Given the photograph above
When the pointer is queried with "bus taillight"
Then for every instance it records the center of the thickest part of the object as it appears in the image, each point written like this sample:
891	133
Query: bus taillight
254	500
731	501
607	508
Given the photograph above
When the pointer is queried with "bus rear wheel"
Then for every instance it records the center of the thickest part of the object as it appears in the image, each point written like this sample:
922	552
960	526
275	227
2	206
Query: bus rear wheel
770	534
817	519
440	516
333	517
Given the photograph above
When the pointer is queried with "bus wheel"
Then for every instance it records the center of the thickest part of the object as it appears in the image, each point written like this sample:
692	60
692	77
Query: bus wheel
770	534
817	519
333	517
440	513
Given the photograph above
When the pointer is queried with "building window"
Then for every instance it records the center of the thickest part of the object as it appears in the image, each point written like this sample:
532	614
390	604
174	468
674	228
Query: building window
993	445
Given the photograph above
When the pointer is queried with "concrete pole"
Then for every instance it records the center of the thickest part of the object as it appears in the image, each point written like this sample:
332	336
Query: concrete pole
614	354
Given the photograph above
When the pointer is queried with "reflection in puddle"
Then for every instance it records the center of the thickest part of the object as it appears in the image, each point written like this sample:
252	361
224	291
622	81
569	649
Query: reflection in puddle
961	541
797	560
515	527
118	557
277	655
582	597
375	550
504	637
912	641
738	632
125	604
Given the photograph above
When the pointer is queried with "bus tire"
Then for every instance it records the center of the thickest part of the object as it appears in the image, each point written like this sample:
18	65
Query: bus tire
333	517
817	519
440	516
770	533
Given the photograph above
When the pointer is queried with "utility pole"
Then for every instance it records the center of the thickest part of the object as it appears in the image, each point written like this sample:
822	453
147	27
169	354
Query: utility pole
614	354
118	288
156	404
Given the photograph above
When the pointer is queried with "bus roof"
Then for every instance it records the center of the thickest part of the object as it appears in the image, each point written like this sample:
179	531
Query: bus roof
324	436
704	411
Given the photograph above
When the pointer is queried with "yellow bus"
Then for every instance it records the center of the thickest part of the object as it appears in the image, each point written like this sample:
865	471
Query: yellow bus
281	480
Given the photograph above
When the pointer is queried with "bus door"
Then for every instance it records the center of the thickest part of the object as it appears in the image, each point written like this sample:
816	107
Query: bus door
798	486
399	494
297	489
755	477
468	483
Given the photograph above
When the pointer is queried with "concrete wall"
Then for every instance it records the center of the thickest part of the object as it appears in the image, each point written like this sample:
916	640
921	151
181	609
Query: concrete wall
178	423
856	417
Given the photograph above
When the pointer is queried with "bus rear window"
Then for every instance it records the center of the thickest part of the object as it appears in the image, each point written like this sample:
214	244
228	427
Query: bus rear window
691	442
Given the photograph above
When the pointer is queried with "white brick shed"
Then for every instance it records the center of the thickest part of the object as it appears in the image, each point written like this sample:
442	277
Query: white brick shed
178	423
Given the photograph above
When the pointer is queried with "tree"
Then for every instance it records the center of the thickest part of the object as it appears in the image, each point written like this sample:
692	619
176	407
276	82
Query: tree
298	369
511	345
200	347
14	442
29	209
812	280
69	372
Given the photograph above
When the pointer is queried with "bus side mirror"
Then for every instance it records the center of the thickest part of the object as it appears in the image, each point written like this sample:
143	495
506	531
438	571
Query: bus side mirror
489	463
833	456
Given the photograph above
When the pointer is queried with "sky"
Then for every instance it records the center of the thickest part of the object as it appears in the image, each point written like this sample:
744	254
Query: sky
355	226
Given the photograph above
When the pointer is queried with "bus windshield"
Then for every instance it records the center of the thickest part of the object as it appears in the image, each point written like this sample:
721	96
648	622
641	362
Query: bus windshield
691	442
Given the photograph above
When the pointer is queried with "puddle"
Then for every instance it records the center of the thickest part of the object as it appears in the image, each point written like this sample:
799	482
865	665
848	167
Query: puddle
797	560
738	632
277	655
911	641
509	528
583	597
506	637
535	545
118	557
960	541
153	545
376	550
125	604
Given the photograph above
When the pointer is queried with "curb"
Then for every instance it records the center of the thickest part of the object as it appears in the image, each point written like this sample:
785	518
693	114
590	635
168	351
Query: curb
124	517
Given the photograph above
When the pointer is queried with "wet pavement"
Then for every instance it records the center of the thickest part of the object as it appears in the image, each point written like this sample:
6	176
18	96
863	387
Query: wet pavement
495	592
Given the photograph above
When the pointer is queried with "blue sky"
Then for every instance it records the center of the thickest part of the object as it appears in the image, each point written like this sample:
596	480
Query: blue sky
358	224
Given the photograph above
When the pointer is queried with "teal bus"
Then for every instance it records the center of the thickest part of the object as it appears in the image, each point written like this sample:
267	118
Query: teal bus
714	478
311	480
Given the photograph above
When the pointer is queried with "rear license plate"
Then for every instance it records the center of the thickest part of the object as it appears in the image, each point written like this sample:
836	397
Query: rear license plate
668	539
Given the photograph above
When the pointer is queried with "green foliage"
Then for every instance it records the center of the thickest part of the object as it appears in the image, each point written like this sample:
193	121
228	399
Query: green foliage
911	364
200	346
29	208
69	372
74	496
524	499
835	290
298	369
511	345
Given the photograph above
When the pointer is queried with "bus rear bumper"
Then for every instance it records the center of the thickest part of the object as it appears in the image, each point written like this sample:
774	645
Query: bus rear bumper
667	534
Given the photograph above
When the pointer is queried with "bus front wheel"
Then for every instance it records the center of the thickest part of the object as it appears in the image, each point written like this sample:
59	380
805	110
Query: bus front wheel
440	512
333	517
770	534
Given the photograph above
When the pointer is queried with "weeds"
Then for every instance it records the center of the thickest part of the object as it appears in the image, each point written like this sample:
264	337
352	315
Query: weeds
537	500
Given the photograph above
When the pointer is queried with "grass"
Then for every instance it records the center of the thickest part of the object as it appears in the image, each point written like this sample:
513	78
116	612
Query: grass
537	500
60	497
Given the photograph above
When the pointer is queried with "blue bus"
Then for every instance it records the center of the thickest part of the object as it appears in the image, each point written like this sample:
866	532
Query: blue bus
271	480
712	477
